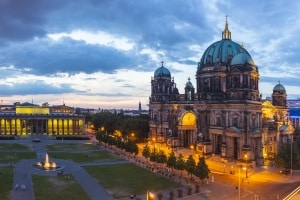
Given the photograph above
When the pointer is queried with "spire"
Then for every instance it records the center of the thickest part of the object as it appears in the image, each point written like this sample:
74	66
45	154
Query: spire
162	63
226	34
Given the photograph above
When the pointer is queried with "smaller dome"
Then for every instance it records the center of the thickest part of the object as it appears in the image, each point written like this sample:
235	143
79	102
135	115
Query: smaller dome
279	88
189	85
162	72
242	59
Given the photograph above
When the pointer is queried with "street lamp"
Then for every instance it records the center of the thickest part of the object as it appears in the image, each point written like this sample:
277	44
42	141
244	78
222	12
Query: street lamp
239	183
150	196
246	158
291	156
244	168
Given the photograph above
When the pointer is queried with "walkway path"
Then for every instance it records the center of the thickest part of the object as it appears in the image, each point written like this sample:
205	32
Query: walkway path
24	169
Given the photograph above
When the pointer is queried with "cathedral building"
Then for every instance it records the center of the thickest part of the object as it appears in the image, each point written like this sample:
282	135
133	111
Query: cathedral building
224	115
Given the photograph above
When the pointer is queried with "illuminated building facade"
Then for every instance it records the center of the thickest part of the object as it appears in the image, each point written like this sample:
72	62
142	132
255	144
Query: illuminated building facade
27	119
223	115
277	125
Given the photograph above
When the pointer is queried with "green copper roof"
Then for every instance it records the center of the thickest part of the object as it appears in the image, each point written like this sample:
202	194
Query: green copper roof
162	72
221	52
242	59
279	88
225	52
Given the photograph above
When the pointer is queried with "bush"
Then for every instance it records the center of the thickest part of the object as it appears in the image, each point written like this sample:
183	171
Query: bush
7	137
197	188
160	196
171	195
72	138
189	190
180	193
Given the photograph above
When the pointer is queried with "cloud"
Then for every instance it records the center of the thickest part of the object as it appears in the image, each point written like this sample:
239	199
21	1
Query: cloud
111	48
35	87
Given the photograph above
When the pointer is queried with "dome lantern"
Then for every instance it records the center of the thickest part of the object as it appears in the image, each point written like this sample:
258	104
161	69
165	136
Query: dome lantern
226	34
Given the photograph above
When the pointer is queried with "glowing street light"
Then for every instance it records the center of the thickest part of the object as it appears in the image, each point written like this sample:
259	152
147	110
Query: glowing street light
246	158
150	196
244	168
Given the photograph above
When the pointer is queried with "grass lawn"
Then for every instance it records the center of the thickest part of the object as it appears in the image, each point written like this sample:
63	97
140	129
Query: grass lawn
73	147
124	179
8	157
6	181
14	147
57	187
93	156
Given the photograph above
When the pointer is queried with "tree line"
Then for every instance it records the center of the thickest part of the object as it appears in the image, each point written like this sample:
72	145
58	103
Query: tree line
119	124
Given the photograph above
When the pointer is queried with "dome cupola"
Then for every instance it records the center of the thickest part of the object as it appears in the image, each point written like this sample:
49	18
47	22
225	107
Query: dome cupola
162	72
279	95
279	88
226	71
222	52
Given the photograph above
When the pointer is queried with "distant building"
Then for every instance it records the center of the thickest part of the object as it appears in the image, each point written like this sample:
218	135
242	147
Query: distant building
224	115
27	119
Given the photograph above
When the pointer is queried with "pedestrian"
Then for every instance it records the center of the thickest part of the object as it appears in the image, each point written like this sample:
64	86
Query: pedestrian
17	186
23	187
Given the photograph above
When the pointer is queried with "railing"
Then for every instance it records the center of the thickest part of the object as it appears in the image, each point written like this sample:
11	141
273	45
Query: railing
292	194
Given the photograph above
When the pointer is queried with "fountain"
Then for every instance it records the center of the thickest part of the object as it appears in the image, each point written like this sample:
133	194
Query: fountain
47	165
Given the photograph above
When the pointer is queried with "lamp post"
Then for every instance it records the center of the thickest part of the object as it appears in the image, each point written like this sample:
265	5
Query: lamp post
246	158
291	156
239	183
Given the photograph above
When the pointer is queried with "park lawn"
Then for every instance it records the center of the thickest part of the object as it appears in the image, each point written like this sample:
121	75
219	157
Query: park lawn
57	187
14	146
122	180
12	157
92	156
6	181
73	147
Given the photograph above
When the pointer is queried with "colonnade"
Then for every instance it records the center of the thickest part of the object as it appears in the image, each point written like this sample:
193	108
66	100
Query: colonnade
42	125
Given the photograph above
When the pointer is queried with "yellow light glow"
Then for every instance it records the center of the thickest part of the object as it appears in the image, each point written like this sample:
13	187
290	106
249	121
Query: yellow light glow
189	119
32	110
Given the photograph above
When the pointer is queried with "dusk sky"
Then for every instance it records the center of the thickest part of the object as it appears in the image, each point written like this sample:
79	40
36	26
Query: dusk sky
103	53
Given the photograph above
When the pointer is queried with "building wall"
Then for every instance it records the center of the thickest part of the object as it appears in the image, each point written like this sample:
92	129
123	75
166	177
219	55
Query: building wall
27	125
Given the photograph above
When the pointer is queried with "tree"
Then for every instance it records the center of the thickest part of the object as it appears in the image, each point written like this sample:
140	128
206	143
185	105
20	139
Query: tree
190	165
153	155
171	162
180	163
132	147
202	170
146	151
283	158
161	157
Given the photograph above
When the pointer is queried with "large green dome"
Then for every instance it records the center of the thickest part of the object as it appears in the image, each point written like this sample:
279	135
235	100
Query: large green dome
225	52
221	52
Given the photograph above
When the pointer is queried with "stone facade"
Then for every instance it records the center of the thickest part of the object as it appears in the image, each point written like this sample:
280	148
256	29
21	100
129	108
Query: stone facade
225	115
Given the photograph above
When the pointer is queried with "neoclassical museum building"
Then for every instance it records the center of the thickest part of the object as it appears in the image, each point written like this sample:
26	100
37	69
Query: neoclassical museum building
28	119
225	115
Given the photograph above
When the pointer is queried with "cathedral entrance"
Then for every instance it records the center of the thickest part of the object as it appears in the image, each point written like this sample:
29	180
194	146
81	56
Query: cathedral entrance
186	138
187	129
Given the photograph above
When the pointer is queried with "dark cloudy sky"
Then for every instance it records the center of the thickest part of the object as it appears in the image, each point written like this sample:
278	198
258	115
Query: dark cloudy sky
103	53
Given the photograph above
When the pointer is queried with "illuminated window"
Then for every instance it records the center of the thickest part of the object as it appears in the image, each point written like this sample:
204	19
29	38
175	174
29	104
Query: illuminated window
189	119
